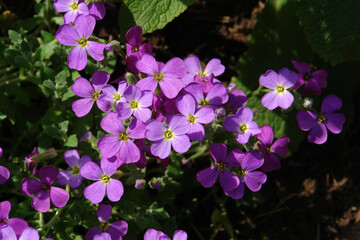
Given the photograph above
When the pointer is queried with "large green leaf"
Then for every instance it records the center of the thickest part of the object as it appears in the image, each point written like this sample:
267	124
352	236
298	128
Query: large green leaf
149	14
332	28
277	38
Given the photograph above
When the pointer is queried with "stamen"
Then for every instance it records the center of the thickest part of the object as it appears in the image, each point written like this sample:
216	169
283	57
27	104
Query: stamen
243	127
191	119
124	136
321	118
241	172
220	166
307	77
45	187
135	49
202	74
82	42
158	77
105	178
134	104
74	6
280	89
117	97
168	134
104	226
75	171
204	102
95	96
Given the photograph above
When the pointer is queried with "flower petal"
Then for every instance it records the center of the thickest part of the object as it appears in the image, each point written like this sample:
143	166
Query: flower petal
77	58
284	100
207	177
48	174
318	134
196	132
82	107
334	122
192	64
63	177
306	120
280	146
254	180
66	35
109	146
41	201
205	115
75	181
228	180
104	212
72	158
181	144
91	171
114	190
96	50
287	78
266	136
112	124
269	100
271	163
218	151
269	79
252	160
18	225
5	208
330	104
147	65
171	86
161	148
178	124
30	186
155	130
4	174
180	235
107	166
95	192
238	192
148	83
7	233
214	66
84	25
59	196
186	104
302	67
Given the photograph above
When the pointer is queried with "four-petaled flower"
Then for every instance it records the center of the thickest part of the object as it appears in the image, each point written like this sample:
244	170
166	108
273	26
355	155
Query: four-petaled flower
78	38
73	176
104	183
166	76
18	225
4	172
43	191
164	137
90	93
106	230
208	176
8	233
245	164
327	118
242	123
72	8
313	82
278	83
268	148
152	234
120	144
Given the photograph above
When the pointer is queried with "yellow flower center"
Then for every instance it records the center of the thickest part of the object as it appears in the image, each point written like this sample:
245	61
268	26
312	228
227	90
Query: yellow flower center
105	178
74	6
158	77
280	89
75	171
82	42
104	226
204	102
241	172
267	149
168	134
135	49
134	104
202	74
191	119
243	127
220	166
320	118
124	136
117	97
95	96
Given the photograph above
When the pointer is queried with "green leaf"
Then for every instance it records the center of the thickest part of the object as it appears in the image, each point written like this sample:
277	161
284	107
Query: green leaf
72	141
15	37
21	96
149	14
47	37
332	28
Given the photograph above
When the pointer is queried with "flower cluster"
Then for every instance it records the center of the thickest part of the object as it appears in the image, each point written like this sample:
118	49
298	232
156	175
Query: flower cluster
157	107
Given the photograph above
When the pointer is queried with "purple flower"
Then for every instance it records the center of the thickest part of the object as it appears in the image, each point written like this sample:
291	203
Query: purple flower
327	118
113	95
152	234
242	123
18	225
216	96
167	76
104	183
43	190
163	107
90	93
205	83
31	161
73	8
267	148
97	9
164	137
106	230
193	68
120	144
278	83
237	99
186	106
4	172
73	176
137	103
8	233
245	166
134	49
78	38
313	82
208	176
